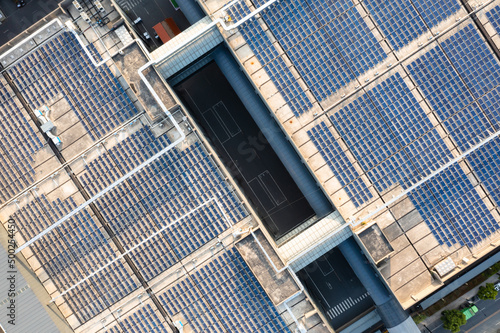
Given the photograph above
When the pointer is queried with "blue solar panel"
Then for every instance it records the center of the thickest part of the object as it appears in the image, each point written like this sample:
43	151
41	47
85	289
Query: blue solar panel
490	103
365	132
338	162
403	21
433	12
400	109
145	319
274	65
485	162
20	141
171	186
354	40
73	251
183	299
61	67
494	17
338	44
323	69
462	205
327	11
453	209
429	208
398	20
473	59
440	83
343	47
393	170
223	295
390	135
468	126
451	79
427	154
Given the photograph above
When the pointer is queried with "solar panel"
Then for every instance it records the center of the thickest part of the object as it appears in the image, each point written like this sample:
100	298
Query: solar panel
390	135
452	77
398	20
337	41
61	67
73	251
493	16
222	295
273	63
338	162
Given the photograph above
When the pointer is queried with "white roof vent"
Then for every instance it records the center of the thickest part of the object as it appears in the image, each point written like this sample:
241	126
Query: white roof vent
445	266
85	17
77	5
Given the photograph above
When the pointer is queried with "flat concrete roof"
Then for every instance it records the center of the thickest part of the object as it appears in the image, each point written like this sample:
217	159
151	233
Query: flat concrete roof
407	269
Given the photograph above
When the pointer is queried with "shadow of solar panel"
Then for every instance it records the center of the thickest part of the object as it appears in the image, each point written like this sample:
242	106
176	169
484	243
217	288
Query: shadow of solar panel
223	295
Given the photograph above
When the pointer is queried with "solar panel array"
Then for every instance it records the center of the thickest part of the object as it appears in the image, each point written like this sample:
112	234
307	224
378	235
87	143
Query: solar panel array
394	142
453	209
338	44
163	192
460	80
223	295
19	143
144	320
403	21
339	163
389	135
493	16
58	69
183	189
272	62
73	251
61	68
169	188
485	162
332	43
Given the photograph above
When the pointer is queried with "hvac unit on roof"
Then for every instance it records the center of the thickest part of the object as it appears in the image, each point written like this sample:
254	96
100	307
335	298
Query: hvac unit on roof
78	6
85	17
445	266
46	125
99	5
178	324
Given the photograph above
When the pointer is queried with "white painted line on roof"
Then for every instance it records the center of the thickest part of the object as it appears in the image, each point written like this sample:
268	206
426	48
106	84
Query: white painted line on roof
181	138
33	35
396	198
132	249
70	161
103	192
71	27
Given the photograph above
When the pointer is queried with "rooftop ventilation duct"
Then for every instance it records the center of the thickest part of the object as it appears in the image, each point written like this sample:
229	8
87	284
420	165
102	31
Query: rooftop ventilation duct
47	125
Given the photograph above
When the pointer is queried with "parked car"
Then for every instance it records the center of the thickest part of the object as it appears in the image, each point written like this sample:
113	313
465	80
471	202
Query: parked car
20	3
497	286
2	16
469	311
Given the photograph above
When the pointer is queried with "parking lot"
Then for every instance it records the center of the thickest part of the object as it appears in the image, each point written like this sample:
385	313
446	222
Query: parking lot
20	19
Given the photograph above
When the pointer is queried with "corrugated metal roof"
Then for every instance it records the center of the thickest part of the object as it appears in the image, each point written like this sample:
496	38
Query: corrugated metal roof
31	312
